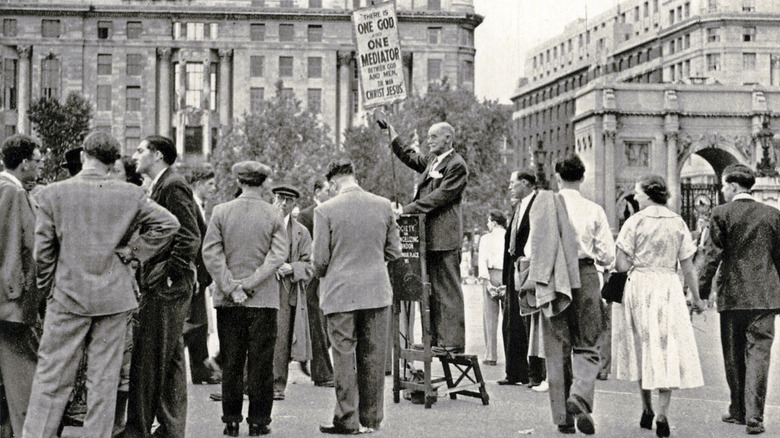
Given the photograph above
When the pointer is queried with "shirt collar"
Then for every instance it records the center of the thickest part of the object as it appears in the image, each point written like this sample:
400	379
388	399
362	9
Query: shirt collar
157	178
13	179
440	158
746	196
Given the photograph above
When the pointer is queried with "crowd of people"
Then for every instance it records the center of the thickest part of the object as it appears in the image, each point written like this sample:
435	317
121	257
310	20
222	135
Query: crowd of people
108	275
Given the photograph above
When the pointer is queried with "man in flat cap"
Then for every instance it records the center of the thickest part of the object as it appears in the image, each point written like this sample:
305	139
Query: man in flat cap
72	161
245	245
355	233
293	340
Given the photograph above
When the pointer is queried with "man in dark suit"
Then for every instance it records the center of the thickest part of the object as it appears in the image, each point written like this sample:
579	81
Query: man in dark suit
321	366
84	241
355	233
745	242
518	369
19	297
158	382
444	175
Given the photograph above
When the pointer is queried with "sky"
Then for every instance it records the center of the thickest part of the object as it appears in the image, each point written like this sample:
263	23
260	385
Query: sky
510	29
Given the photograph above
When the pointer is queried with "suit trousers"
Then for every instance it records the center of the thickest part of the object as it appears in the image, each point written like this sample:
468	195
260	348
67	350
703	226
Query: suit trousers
321	366
605	343
62	345
18	357
359	339
247	336
746	337
158	378
490	310
576	330
513	330
448	320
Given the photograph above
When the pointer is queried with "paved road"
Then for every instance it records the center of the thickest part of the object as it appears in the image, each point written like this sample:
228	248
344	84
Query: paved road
513	411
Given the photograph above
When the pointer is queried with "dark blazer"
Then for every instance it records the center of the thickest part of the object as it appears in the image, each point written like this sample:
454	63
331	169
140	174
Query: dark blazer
306	218
177	261
19	298
745	242
522	237
438	197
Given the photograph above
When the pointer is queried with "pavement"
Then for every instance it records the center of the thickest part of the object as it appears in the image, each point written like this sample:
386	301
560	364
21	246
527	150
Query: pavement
513	411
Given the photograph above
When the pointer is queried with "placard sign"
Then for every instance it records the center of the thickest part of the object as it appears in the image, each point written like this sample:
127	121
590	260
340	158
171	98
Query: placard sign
379	60
407	273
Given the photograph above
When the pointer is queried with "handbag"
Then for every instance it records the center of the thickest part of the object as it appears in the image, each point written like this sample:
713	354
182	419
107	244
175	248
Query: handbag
613	289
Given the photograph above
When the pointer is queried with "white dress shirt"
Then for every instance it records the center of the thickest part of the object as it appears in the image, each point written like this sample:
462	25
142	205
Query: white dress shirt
594	237
491	252
521	209
440	158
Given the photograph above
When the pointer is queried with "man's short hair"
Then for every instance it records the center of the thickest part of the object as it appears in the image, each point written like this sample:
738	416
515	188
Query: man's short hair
199	174
18	148
103	146
340	167
570	168
528	175
740	174
165	146
498	217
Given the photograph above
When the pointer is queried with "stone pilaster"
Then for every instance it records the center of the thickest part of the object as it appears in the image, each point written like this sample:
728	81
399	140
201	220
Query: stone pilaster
225	73
344	106
164	91
23	121
610	198
672	173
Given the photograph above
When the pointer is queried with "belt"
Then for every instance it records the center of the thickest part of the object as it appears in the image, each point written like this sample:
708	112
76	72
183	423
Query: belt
587	262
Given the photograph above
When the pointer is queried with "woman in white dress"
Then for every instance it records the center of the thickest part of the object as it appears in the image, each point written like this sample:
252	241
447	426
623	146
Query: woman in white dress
653	340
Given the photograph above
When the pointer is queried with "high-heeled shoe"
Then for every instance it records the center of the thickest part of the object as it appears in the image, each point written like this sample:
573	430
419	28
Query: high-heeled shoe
646	422
662	427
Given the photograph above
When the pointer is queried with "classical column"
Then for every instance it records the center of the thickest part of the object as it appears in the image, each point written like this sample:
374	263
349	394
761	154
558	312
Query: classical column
672	178
344	94
609	178
164	91
206	105
23	122
225	58
181	98
408	63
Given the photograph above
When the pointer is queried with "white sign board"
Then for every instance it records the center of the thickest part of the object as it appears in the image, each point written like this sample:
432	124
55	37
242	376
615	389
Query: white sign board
379	60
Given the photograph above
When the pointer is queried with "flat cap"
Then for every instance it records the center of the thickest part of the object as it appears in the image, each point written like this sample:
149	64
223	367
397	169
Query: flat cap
286	190
72	157
251	171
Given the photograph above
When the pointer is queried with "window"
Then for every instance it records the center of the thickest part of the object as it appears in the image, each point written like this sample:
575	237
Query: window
314	33
679	13
687	41
50	77
286	32
194	31
687	10
9	27
213	88
194	84
671	17
134	30
712	5
132	138
713	35
637	153
713	62
256	96
133	99
134	64
256	66
286	3
748	61
285	66
434	35
434	70
315	3
434	5
355	4
8	99
257	32
104	64
50	28
105	29
636	13
315	67
104	97
748	34
655	6
314	100
467	71
748	5
671	47
466	37
646	9
213	31
193	140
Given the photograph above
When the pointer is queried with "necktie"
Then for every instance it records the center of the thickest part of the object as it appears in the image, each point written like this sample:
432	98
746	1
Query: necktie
290	238
515	228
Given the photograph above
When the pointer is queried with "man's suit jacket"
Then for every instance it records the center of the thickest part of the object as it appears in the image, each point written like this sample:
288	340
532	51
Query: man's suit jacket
19	297
355	233
246	239
439	195
745	242
306	218
81	223
161	274
510	261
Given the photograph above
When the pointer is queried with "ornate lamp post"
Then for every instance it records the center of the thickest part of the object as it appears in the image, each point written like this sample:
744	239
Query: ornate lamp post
539	158
766	167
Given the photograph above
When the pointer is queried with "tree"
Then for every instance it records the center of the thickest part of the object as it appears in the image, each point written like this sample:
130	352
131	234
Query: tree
480	130
293	142
60	128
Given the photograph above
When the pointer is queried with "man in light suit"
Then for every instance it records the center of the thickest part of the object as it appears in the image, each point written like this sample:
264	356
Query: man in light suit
83	245
444	175
745	242
292	276
321	366
246	243
158	381
19	297
355	233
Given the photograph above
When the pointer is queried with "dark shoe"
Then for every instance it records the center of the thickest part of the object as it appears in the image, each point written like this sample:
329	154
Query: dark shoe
576	406
567	428
491	363
504	382
305	368
662	427
646	422
258	429
755	427
209	380
533	383
326	384
216	396
603	376
341	430
278	395
728	418
231	429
